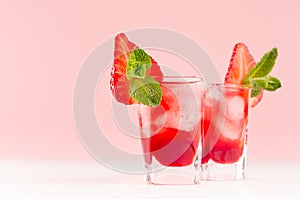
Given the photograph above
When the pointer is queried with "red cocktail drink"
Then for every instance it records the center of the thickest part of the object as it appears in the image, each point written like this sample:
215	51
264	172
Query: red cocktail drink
171	131
224	127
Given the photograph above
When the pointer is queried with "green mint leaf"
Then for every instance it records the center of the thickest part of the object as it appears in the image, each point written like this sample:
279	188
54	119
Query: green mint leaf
146	91
258	77
268	83
256	89
138	64
263	67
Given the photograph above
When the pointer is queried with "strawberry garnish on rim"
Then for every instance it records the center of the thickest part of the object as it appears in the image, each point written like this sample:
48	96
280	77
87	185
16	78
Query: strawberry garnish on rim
119	84
240	63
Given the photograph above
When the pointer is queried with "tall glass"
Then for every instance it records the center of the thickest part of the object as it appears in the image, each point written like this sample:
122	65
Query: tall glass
225	132
171	132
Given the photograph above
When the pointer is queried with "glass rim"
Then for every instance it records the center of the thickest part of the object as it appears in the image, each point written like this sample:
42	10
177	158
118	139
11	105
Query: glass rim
179	79
230	86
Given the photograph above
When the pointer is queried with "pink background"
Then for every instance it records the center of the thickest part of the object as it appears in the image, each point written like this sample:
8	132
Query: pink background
43	44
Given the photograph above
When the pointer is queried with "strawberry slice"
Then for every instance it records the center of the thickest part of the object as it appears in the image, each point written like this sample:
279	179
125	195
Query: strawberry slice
240	63
119	84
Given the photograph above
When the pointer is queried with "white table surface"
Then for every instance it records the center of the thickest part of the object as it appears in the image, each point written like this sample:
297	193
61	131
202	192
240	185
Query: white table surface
72	179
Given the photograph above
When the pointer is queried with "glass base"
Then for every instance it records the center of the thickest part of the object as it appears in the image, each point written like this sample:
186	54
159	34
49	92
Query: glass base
215	171
186	175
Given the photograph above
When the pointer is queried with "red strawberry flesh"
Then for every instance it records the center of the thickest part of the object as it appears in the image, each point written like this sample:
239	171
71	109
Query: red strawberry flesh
240	64
119	84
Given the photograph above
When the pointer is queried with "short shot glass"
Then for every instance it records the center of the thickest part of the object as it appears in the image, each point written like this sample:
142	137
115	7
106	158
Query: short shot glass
171	132
225	118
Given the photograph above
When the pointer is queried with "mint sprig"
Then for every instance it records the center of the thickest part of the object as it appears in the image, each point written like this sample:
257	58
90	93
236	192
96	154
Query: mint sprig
256	89
268	83
146	91
138	64
143	89
258	77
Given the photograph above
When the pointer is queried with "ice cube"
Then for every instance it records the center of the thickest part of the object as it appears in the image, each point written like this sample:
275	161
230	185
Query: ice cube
215	99
231	124
189	116
185	115
217	94
233	130
227	114
158	119
173	116
235	108
190	109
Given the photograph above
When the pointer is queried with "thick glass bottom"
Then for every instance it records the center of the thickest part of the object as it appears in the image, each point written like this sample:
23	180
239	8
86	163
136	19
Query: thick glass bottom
184	175
233	171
